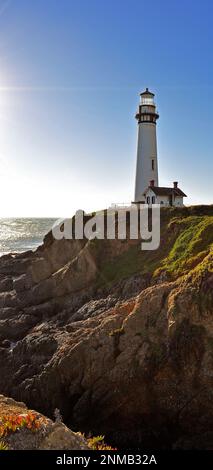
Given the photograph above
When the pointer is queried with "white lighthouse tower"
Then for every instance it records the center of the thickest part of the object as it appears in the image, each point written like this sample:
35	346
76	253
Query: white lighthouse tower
147	164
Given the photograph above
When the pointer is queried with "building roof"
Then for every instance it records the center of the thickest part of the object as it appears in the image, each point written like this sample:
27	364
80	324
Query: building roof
160	191
147	92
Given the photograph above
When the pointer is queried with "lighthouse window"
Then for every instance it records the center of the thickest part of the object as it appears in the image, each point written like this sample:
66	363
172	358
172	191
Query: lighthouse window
153	164
147	101
148	200
153	199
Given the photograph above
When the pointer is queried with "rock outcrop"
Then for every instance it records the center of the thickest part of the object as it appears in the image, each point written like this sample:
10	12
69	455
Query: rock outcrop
121	341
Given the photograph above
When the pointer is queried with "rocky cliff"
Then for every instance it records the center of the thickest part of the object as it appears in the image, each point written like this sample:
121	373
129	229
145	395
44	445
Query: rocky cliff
119	339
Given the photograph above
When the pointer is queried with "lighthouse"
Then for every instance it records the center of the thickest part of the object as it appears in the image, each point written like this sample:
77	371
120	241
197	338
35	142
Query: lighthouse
147	163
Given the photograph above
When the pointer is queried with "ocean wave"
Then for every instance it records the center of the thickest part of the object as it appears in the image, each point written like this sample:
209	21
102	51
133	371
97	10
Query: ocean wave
22	234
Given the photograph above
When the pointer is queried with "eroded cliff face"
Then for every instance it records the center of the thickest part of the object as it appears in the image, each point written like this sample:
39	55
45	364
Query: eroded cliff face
121	341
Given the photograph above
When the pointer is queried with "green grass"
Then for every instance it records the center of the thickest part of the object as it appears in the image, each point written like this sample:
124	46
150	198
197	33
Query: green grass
190	247
132	262
185	241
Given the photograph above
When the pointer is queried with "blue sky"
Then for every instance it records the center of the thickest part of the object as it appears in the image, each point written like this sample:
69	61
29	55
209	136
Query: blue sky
70	75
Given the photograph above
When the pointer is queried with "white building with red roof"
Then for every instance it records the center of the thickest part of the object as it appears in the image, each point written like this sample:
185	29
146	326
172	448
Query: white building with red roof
164	196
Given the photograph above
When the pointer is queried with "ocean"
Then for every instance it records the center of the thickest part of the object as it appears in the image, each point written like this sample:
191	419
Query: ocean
18	235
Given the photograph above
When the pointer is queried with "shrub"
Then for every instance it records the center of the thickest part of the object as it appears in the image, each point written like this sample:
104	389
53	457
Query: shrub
3	446
12	423
97	443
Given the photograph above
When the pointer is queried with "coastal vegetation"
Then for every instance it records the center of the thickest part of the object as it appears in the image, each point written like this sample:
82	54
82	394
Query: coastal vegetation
186	240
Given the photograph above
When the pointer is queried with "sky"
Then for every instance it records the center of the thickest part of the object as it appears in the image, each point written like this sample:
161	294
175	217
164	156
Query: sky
70	76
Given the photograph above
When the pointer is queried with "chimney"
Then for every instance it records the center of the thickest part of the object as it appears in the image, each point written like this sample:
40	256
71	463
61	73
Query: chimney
152	183
175	184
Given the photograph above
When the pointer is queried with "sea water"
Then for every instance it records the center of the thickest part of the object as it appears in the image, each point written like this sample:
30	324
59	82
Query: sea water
18	235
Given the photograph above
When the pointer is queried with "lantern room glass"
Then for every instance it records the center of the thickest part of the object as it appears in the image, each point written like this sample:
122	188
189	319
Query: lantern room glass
147	101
